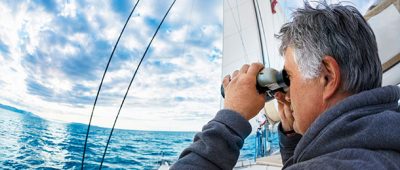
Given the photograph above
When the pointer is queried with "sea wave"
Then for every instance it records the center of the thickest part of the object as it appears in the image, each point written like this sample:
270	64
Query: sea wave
30	142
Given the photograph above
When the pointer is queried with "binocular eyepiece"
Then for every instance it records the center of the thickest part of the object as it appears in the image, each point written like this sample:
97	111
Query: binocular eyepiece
270	81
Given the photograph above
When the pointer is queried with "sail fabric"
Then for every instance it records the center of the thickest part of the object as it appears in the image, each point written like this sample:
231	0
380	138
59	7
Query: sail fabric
250	27
242	33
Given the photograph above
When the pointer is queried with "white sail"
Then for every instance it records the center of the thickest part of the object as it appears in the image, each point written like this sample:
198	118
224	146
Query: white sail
244	40
250	27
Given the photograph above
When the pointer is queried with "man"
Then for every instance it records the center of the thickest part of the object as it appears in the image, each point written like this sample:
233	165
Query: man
336	115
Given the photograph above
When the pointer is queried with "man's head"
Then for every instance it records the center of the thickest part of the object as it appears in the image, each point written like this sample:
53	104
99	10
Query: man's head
330	53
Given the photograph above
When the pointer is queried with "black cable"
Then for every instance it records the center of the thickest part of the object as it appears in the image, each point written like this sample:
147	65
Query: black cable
259	32
263	30
101	83
133	77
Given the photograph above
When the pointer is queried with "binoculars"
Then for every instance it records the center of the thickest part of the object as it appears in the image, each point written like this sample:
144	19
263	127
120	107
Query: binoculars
270	81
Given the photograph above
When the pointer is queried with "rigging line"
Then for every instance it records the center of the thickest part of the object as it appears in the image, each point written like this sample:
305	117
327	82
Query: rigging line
133	77
239	31
259	32
101	84
263	30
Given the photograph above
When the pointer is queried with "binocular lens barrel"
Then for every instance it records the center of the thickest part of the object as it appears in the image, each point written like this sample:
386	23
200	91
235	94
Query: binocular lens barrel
269	81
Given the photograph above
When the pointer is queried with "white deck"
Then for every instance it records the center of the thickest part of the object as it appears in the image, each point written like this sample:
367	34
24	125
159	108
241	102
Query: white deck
273	162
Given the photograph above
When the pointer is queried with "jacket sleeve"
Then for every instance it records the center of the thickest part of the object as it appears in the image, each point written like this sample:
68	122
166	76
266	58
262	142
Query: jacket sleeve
287	145
218	145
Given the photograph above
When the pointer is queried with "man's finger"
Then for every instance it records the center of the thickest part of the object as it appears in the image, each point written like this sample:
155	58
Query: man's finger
255	68
244	68
288	113
287	96
280	97
226	81
234	74
281	111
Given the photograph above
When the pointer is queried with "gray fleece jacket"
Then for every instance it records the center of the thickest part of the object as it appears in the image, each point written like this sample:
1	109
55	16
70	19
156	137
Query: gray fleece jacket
360	132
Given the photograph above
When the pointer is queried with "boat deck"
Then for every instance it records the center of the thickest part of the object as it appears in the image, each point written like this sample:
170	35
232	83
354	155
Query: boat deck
273	162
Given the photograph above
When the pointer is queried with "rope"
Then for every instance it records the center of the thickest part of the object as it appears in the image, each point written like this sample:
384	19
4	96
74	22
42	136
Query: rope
133	77
101	84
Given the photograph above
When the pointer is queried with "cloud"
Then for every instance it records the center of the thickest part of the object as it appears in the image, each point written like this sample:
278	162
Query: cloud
54	54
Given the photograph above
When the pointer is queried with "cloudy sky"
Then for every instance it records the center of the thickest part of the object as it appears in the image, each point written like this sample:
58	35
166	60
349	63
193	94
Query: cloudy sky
53	54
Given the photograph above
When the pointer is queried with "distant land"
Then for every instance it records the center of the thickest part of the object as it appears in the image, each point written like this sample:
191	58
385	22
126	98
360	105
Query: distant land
13	109
16	110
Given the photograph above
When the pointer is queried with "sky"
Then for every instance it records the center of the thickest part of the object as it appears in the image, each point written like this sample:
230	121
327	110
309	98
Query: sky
53	54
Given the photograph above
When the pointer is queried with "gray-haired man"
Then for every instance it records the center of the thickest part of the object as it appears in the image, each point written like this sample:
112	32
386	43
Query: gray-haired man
341	116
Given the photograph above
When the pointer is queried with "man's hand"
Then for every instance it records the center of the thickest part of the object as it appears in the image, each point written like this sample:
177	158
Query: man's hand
285	111
240	90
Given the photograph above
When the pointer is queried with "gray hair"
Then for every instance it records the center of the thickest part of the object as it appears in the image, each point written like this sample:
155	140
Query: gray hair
337	31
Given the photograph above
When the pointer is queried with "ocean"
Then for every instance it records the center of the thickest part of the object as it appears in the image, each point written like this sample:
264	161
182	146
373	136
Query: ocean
30	142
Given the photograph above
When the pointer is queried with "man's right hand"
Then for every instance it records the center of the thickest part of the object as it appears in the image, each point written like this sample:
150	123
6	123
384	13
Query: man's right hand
285	111
241	94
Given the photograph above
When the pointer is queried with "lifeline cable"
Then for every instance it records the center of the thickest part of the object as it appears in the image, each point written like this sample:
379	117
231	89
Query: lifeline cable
101	83
133	77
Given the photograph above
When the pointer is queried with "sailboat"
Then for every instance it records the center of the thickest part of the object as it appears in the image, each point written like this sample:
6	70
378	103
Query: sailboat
249	36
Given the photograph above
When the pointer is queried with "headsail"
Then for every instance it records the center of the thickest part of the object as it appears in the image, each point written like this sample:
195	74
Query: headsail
247	25
249	36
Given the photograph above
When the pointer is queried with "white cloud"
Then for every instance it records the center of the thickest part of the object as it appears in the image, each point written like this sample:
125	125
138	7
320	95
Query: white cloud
177	82
69	9
179	35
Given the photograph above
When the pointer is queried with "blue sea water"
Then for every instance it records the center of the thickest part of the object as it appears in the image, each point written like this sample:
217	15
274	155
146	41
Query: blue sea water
30	142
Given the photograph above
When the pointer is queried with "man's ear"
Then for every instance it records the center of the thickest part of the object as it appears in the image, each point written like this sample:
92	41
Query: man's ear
330	72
